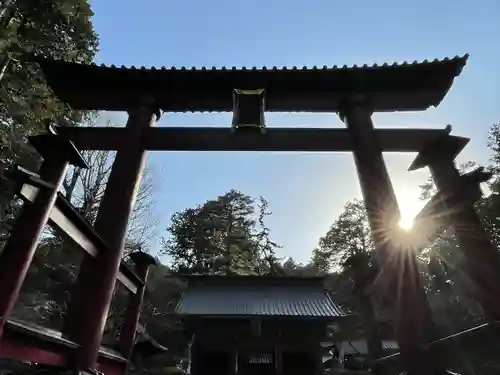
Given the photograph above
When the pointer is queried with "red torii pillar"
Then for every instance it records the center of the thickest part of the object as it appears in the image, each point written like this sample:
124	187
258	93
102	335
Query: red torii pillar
398	266
142	262
16	257
96	281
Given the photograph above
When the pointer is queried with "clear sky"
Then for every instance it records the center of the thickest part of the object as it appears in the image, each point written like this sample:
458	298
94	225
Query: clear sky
306	191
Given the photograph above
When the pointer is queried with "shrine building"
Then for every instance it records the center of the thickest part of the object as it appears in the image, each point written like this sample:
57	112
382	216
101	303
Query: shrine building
257	324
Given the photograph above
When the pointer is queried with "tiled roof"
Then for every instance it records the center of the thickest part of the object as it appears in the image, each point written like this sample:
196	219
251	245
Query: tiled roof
458	59
406	86
258	300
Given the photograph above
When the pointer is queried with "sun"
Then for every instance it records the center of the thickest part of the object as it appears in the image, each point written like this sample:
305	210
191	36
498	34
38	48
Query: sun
406	223
409	206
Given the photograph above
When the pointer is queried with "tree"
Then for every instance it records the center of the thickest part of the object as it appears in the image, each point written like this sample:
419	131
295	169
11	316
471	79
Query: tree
267	263
157	315
59	29
489	208
226	235
348	235
320	261
84	188
291	268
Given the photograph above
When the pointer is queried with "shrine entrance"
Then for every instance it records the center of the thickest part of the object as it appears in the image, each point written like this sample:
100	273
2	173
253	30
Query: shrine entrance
354	93
214	361
298	362
256	363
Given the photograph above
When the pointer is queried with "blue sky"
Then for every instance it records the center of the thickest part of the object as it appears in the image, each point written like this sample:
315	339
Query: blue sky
306	191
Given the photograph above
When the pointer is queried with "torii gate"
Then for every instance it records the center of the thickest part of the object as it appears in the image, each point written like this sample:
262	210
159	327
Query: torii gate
352	92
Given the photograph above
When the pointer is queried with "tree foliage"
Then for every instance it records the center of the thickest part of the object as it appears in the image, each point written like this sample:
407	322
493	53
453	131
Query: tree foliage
60	29
347	236
85	188
226	235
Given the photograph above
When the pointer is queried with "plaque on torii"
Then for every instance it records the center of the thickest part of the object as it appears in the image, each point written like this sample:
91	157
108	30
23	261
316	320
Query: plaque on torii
248	110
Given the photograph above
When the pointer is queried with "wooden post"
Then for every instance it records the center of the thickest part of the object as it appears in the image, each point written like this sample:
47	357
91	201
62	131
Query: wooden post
142	262
195	357
16	257
278	353
233	360
96	281
398	267
483	259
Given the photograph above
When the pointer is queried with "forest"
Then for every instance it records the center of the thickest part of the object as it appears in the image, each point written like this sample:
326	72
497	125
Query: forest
228	234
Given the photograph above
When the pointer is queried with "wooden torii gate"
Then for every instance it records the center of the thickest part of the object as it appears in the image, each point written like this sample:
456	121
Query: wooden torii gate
352	92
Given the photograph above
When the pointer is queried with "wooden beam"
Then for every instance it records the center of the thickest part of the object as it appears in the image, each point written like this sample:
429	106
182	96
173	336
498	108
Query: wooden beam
477	336
437	213
28	342
223	139
83	237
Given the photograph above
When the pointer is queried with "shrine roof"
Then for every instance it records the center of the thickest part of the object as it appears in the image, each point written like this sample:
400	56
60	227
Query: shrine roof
390	87
250	296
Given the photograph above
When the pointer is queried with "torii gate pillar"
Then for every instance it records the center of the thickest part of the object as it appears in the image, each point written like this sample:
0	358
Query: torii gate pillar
414	323
483	259
95	286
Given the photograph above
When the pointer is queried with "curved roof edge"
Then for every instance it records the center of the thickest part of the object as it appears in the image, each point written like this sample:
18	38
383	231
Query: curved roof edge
395	87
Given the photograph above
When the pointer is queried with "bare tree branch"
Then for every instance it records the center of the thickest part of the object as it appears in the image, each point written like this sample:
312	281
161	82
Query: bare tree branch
84	188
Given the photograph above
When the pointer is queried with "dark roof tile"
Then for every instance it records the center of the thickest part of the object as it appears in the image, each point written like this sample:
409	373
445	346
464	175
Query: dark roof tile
457	58
398	87
251	300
